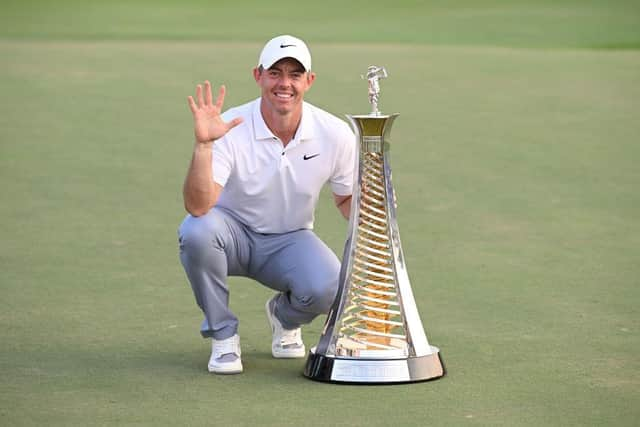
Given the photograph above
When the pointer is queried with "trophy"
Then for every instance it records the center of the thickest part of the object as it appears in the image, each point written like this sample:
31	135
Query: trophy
373	333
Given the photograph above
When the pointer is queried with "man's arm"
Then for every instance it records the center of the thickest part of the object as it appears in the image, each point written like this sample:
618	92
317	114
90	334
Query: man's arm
343	203
200	192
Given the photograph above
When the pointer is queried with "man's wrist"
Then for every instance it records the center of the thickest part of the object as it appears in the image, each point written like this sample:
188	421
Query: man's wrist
205	144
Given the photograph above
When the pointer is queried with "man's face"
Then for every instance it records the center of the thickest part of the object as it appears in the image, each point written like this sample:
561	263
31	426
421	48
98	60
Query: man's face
283	85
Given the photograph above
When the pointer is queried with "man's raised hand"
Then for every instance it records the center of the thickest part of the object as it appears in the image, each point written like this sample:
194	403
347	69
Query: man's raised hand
207	123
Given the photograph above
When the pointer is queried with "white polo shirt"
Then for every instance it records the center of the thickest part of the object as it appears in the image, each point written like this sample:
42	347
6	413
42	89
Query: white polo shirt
272	188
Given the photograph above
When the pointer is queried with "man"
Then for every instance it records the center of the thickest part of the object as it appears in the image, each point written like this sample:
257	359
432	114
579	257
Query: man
251	191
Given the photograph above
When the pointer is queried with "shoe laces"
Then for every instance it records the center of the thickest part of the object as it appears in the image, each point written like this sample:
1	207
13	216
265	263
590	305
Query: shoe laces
291	336
228	346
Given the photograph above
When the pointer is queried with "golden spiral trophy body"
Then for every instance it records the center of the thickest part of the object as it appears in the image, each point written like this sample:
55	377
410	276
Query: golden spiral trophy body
373	333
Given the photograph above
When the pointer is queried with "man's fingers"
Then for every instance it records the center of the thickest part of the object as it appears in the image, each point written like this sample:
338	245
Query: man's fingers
192	104
233	123
204	98
220	100
199	96
208	98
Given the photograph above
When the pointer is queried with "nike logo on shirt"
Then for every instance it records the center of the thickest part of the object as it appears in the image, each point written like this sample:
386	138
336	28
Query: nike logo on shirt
305	157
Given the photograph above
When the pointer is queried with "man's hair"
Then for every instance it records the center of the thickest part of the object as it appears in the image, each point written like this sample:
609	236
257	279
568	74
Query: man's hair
261	69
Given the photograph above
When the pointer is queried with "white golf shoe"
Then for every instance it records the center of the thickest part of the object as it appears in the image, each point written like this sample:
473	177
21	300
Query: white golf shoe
225	356
285	343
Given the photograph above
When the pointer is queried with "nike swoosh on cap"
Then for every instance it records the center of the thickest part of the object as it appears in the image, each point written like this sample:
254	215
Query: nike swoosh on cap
287	45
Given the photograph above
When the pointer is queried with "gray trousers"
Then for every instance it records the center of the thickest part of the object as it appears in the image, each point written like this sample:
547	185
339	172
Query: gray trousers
297	264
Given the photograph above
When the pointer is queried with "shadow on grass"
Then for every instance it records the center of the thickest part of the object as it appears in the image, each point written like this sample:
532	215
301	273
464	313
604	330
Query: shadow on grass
259	365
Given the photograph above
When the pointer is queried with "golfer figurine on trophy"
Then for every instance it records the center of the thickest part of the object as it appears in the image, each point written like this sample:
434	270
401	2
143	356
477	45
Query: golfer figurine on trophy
373	333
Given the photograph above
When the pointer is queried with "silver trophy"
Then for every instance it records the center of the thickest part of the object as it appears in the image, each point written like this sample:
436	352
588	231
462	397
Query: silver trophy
373	333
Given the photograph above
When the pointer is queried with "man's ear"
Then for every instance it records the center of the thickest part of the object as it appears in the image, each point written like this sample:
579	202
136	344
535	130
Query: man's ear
256	73
311	77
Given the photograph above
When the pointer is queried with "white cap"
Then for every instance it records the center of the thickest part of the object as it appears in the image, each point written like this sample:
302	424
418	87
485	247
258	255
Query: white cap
285	46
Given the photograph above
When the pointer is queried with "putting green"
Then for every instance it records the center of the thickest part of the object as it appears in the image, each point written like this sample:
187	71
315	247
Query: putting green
515	169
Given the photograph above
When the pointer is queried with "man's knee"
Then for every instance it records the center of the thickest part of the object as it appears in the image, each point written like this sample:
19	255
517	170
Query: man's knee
197	234
317	298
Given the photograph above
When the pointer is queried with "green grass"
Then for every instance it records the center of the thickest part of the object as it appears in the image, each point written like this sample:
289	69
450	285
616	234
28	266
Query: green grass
541	23
514	161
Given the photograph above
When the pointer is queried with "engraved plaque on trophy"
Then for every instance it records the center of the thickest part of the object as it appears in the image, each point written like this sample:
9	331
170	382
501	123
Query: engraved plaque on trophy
373	333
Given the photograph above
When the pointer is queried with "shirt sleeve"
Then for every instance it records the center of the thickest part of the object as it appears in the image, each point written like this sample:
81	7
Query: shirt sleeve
343	174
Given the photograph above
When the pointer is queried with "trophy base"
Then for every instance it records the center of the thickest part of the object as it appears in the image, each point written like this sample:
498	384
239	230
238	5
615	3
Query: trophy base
374	371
